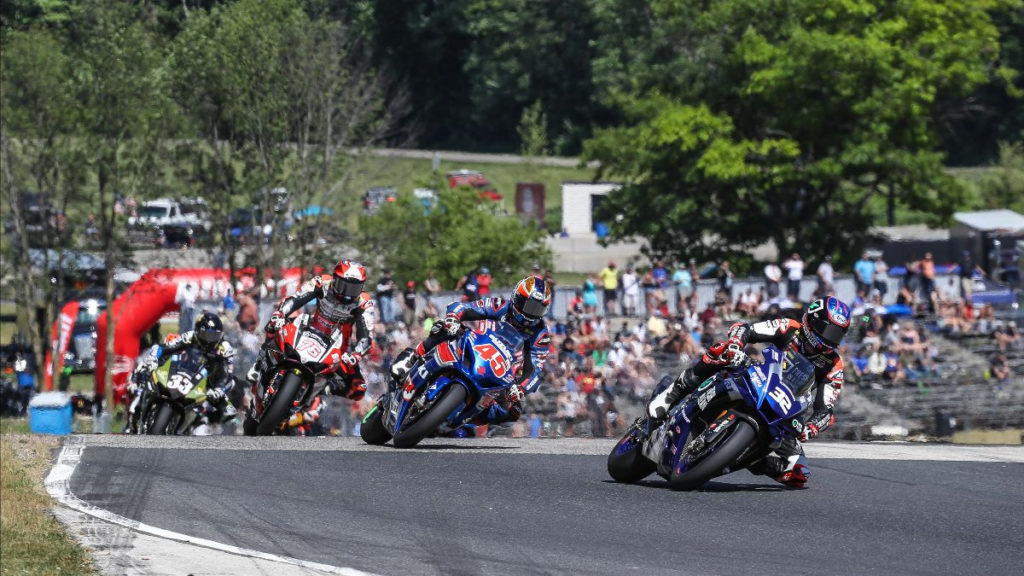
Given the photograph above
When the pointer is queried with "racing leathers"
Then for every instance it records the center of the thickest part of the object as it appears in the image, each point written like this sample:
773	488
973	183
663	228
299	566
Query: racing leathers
789	464
537	342
358	316
220	365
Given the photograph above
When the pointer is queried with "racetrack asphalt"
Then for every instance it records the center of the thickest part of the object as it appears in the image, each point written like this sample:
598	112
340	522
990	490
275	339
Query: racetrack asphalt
467	507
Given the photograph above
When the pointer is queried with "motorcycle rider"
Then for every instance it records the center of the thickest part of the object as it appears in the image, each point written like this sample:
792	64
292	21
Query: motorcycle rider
817	337
208	337
525	311
341	303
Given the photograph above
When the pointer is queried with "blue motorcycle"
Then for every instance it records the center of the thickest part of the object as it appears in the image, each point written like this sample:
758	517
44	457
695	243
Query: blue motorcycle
457	381
731	421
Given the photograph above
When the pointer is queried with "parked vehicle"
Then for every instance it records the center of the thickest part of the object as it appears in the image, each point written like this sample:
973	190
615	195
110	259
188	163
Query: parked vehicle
175	395
473	179
295	374
731	421
449	387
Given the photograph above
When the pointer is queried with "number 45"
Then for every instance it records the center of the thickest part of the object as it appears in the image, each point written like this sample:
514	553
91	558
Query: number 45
498	363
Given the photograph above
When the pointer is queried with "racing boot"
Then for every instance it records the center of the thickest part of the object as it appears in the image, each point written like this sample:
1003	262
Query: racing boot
788	466
403	364
680	388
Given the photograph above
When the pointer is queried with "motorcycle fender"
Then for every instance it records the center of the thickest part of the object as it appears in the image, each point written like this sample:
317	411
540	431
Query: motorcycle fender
437	386
683	451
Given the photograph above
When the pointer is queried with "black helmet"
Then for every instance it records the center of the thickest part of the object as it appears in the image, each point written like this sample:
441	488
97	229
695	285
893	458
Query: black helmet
209	331
825	323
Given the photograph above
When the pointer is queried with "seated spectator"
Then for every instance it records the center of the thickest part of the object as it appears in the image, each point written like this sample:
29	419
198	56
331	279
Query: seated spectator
1000	368
1007	336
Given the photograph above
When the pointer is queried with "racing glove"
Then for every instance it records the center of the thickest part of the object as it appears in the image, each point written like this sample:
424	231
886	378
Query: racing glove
728	353
277	320
350	359
214	395
515	394
810	431
452	324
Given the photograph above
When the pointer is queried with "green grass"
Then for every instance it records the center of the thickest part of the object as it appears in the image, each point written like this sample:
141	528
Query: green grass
31	540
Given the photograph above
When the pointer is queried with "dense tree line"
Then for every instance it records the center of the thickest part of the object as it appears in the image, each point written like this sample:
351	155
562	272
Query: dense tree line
472	67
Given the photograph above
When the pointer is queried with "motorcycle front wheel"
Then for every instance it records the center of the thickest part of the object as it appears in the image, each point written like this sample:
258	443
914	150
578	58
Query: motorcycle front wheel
162	420
372	429
737	439
625	462
450	400
281	406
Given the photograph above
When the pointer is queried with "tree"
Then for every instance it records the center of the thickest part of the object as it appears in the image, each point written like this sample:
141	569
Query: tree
39	155
279	101
755	121
122	113
460	232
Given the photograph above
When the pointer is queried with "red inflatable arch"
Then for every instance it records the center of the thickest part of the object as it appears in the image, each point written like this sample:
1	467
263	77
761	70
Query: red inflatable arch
155	294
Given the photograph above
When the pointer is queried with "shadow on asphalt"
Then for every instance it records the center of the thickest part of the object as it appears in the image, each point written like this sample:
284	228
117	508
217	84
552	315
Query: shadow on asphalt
711	486
457	447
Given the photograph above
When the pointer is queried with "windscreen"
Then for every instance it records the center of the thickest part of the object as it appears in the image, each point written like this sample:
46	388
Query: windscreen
797	373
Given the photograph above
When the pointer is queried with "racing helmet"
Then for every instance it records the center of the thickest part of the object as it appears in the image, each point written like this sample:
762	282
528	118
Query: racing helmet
209	331
530	301
825	323
348	281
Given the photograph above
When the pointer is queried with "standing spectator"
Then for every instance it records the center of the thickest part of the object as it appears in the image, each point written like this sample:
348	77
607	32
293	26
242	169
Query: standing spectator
409	303
725	277
610	280
431	285
649	287
683	280
186	301
483	282
386	297
469	286
660	274
880	280
968	271
911	280
826	276
928	280
25	374
248	312
590	294
772	279
864	270
794	273
630	291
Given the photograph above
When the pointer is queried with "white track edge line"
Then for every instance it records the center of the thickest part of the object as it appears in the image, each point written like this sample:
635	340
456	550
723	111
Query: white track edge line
58	484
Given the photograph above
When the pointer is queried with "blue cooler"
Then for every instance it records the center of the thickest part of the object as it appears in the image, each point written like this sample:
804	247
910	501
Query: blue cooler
50	413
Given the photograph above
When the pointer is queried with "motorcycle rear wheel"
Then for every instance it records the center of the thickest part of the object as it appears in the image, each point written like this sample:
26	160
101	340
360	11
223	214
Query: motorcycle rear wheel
738	438
372	429
162	420
280	407
427	423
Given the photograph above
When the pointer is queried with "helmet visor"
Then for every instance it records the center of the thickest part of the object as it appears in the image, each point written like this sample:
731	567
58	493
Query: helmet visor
208	337
533	309
346	289
830	334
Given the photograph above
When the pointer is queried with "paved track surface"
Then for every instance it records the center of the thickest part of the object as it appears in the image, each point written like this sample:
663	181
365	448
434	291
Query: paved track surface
466	507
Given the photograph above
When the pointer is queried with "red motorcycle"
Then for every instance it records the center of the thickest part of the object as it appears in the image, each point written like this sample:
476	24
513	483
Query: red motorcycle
298	365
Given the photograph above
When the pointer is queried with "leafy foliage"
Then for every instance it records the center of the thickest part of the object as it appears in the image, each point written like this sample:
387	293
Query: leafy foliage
782	119
461	232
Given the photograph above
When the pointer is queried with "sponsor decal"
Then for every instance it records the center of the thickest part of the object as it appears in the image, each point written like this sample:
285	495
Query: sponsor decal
702	401
408	391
